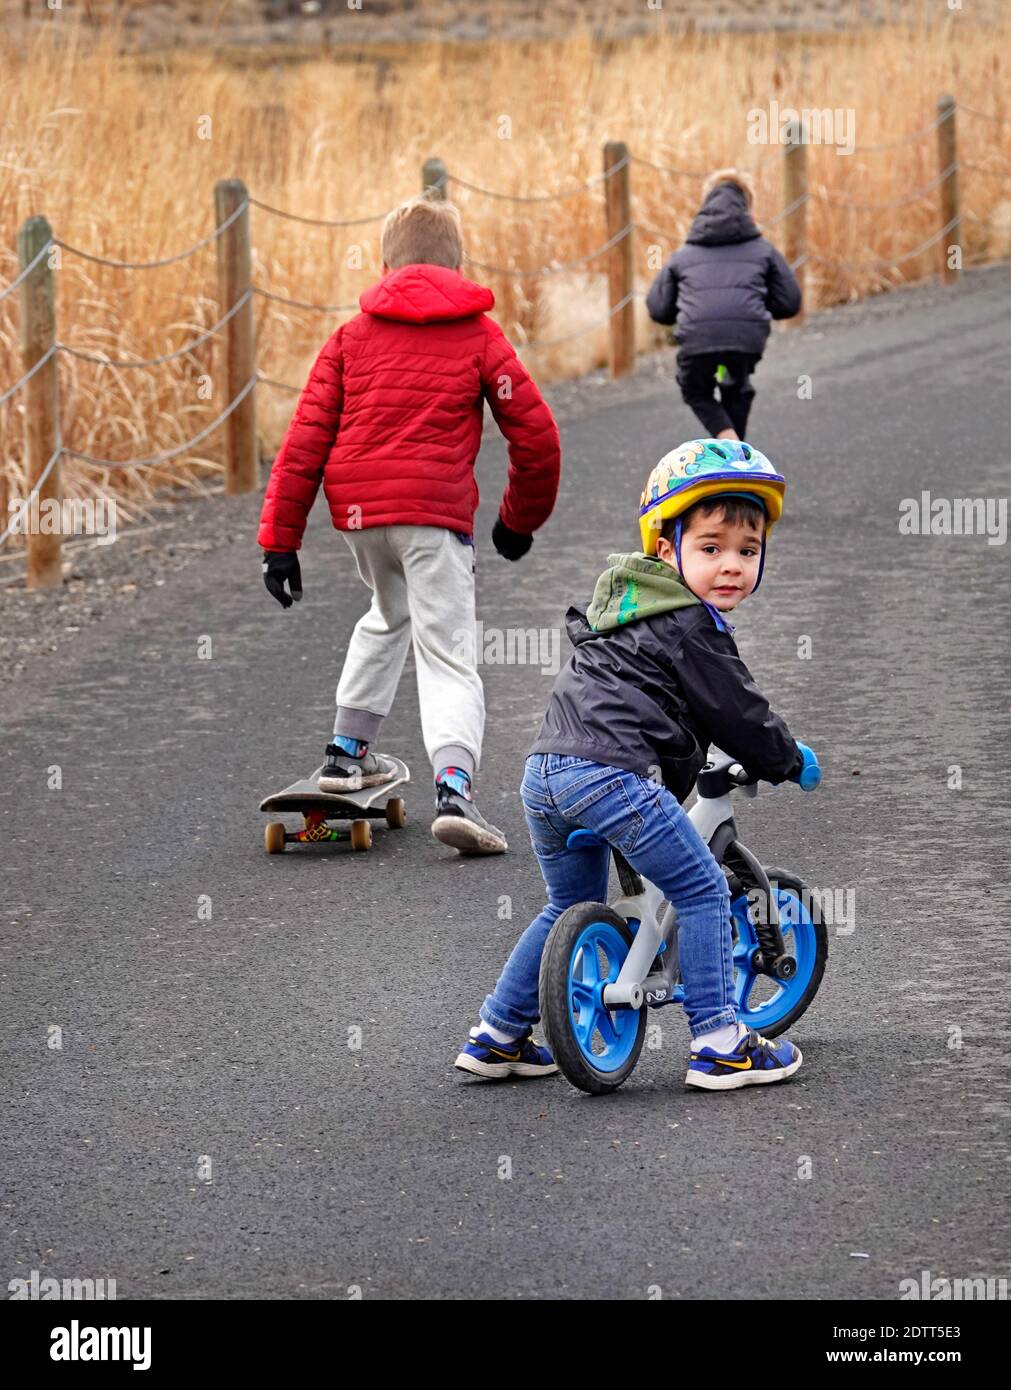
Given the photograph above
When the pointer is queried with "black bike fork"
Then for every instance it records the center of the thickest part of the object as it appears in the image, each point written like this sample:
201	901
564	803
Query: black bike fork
771	957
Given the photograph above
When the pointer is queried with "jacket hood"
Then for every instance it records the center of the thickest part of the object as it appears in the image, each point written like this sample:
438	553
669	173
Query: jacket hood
634	587
425	294
723	219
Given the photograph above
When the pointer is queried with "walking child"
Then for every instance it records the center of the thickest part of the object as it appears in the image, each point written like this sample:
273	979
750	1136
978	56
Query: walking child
654	679
721	289
390	420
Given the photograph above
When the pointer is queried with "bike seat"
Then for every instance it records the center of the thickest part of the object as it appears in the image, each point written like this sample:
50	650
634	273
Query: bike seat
583	839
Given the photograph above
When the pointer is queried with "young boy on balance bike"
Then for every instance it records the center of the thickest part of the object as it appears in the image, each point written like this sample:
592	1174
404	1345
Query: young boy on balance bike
654	679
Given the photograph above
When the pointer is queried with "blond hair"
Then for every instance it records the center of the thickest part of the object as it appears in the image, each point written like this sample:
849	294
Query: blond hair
737	177
424	230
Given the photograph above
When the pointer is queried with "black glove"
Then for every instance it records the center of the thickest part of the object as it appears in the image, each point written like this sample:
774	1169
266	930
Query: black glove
513	545
278	566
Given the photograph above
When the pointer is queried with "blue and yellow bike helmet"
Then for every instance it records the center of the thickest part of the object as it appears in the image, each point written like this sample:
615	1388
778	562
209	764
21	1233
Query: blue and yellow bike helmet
708	468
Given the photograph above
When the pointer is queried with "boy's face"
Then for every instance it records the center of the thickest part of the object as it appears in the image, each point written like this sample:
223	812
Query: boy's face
719	560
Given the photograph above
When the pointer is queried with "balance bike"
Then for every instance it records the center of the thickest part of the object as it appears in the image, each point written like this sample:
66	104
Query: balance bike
604	965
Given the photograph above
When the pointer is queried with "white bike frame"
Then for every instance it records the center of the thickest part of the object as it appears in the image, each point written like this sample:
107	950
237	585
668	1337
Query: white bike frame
634	986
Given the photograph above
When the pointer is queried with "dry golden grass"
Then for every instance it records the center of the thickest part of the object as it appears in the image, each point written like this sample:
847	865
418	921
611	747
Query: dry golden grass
107	145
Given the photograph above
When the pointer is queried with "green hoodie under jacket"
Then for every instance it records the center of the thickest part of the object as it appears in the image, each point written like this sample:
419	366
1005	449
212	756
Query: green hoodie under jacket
633	587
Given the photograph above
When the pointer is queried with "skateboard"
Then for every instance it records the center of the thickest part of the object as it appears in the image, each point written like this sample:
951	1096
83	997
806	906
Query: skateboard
319	808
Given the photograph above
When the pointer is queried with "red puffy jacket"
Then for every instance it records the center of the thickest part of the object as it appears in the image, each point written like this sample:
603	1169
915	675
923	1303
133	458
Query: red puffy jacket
391	417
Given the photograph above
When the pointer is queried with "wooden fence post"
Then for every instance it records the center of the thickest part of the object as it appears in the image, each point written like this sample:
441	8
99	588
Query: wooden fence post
41	401
242	462
433	178
795	222
620	268
947	160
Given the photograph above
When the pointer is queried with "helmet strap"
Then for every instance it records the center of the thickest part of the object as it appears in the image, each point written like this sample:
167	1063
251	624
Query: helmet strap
717	616
761	562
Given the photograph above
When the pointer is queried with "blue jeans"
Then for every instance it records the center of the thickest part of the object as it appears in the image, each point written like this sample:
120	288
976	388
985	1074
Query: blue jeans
649	826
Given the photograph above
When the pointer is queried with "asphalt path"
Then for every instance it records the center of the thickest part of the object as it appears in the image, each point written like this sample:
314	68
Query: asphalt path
205	1130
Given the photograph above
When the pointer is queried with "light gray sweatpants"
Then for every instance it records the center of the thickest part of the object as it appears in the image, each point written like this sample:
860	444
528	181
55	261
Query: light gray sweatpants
422	582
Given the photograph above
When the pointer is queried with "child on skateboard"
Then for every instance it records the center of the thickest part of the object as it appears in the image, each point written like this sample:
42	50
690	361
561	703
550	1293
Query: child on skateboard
654	679
390	420
721	289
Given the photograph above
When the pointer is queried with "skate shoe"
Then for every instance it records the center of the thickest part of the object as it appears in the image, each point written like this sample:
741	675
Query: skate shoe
343	773
459	823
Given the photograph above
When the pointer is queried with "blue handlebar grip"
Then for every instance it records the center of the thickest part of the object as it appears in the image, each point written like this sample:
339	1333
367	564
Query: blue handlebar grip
810	773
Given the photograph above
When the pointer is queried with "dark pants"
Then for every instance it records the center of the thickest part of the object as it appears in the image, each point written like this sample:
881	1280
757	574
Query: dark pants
697	379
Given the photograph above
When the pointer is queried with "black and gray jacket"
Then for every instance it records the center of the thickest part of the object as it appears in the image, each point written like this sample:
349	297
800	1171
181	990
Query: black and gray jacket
652	682
722	288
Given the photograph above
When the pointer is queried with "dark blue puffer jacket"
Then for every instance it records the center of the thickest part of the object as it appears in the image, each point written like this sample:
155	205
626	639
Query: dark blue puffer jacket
725	284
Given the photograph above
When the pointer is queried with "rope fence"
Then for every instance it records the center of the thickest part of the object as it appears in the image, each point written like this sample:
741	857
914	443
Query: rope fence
234	334
901	201
166	356
536	345
597	179
319	221
165	260
554	269
165	456
305	303
874	267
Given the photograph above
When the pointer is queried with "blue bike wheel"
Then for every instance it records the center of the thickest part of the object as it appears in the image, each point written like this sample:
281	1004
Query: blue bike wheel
766	1004
595	1047
605	1037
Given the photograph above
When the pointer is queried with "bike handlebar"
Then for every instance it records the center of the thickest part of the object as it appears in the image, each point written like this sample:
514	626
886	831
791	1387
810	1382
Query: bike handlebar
807	778
810	773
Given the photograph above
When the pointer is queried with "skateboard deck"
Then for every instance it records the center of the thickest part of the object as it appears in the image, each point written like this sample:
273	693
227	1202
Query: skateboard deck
318	807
